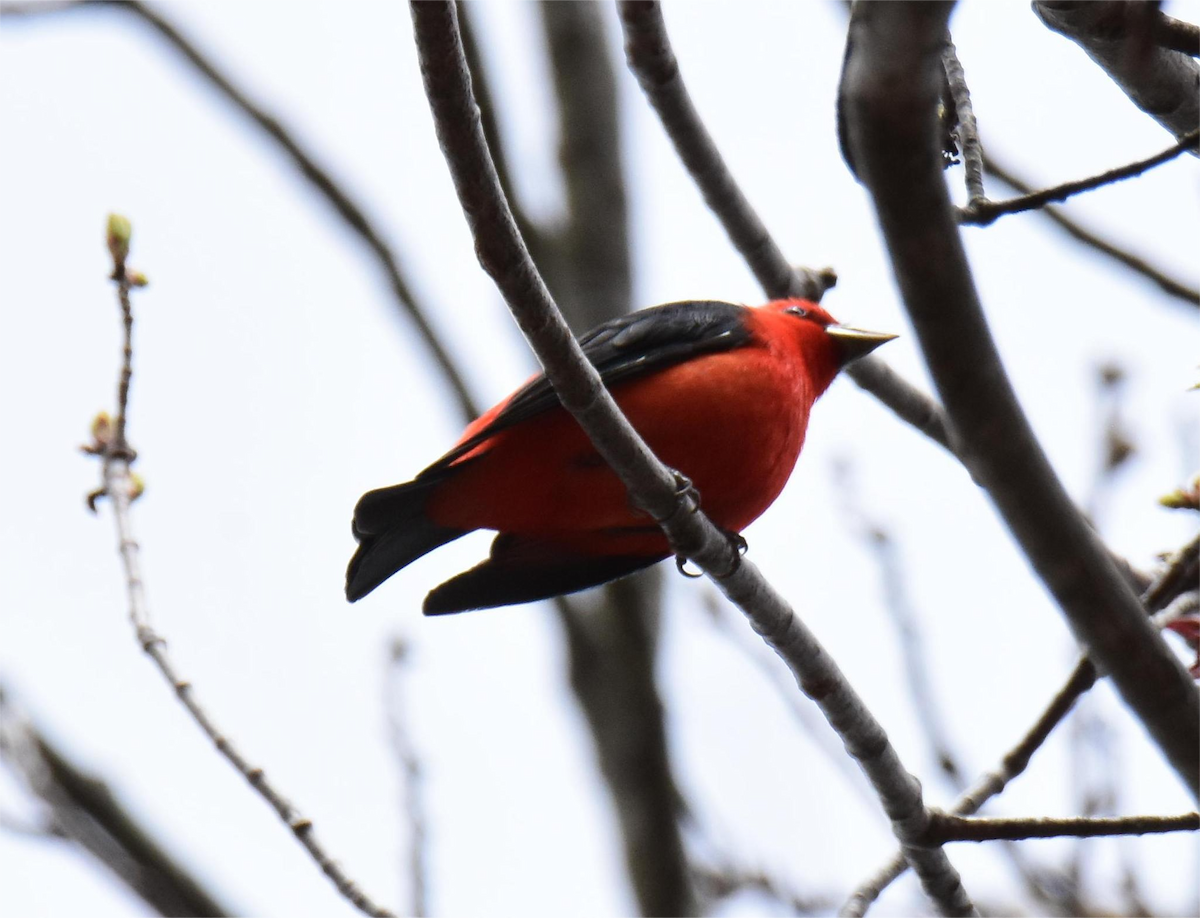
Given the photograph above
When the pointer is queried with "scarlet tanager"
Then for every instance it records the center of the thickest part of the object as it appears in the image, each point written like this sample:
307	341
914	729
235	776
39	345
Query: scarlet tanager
719	391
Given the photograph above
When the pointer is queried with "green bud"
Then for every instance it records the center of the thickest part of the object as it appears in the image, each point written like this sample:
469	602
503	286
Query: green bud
120	231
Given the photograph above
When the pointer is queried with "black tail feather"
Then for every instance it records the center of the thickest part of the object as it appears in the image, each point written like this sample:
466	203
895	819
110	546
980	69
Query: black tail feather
525	569
393	531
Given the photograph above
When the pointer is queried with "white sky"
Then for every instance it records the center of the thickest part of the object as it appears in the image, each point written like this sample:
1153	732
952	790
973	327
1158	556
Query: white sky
274	384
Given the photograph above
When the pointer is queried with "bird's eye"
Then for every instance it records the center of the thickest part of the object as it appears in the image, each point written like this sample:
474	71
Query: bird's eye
796	311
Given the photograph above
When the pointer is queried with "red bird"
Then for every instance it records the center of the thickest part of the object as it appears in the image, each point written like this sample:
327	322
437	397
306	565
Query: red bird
719	391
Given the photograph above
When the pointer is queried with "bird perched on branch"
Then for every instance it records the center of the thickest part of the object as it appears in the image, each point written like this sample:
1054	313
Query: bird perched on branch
720	392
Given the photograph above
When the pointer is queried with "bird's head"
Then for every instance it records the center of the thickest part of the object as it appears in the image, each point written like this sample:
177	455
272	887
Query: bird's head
825	344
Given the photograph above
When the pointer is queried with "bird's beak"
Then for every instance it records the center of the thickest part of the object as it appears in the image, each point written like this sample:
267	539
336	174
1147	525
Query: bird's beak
856	342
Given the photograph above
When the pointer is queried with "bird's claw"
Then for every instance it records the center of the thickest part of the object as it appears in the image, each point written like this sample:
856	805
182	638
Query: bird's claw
681	566
737	541
685	489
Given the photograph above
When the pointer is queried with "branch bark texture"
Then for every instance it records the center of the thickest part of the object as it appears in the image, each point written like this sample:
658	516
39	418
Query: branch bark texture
890	89
1165	84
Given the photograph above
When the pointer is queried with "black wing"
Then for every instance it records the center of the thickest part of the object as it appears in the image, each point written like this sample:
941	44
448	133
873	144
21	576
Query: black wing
624	348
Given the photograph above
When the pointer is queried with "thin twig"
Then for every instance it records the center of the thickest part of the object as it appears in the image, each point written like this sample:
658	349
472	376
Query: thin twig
982	212
648	51
351	212
651	485
947	827
1135	263
718	883
987	786
118	487
405	751
1017	759
895	599
967	131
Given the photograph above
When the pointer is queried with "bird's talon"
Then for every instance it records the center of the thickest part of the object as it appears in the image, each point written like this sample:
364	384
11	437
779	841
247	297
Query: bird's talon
685	488
681	566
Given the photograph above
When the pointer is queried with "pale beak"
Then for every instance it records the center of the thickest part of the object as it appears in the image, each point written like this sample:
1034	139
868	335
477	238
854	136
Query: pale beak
856	342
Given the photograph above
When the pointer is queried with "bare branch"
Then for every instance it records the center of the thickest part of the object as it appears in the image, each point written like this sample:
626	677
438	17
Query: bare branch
405	751
651	485
537	238
1135	263
1082	678
945	827
83	809
717	883
983	212
595	239
890	89
612	636
304	160
880	543
652	61
967	131
1163	83
15	9
119	487
1177	35
612	642
1179	572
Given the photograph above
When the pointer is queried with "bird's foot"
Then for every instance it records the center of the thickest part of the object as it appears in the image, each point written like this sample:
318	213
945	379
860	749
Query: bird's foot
737	542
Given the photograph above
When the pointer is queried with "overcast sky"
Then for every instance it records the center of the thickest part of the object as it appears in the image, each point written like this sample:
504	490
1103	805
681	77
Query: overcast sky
275	382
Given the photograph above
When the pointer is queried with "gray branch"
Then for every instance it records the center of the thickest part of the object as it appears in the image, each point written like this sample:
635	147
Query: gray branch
890	90
83	809
1165	84
318	175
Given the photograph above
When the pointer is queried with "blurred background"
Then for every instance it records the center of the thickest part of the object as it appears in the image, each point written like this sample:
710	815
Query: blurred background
276	379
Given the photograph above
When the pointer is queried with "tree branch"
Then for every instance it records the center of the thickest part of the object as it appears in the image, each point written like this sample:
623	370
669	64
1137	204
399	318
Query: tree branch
538	239
652	486
1163	83
1178	573
967	131
84	810
405	750
890	88
648	51
304	160
595	239
612	636
982	212
119	488
1176	34
946	827
1167	284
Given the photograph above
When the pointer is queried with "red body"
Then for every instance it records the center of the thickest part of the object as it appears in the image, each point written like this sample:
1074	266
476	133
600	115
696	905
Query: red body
719	391
732	421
